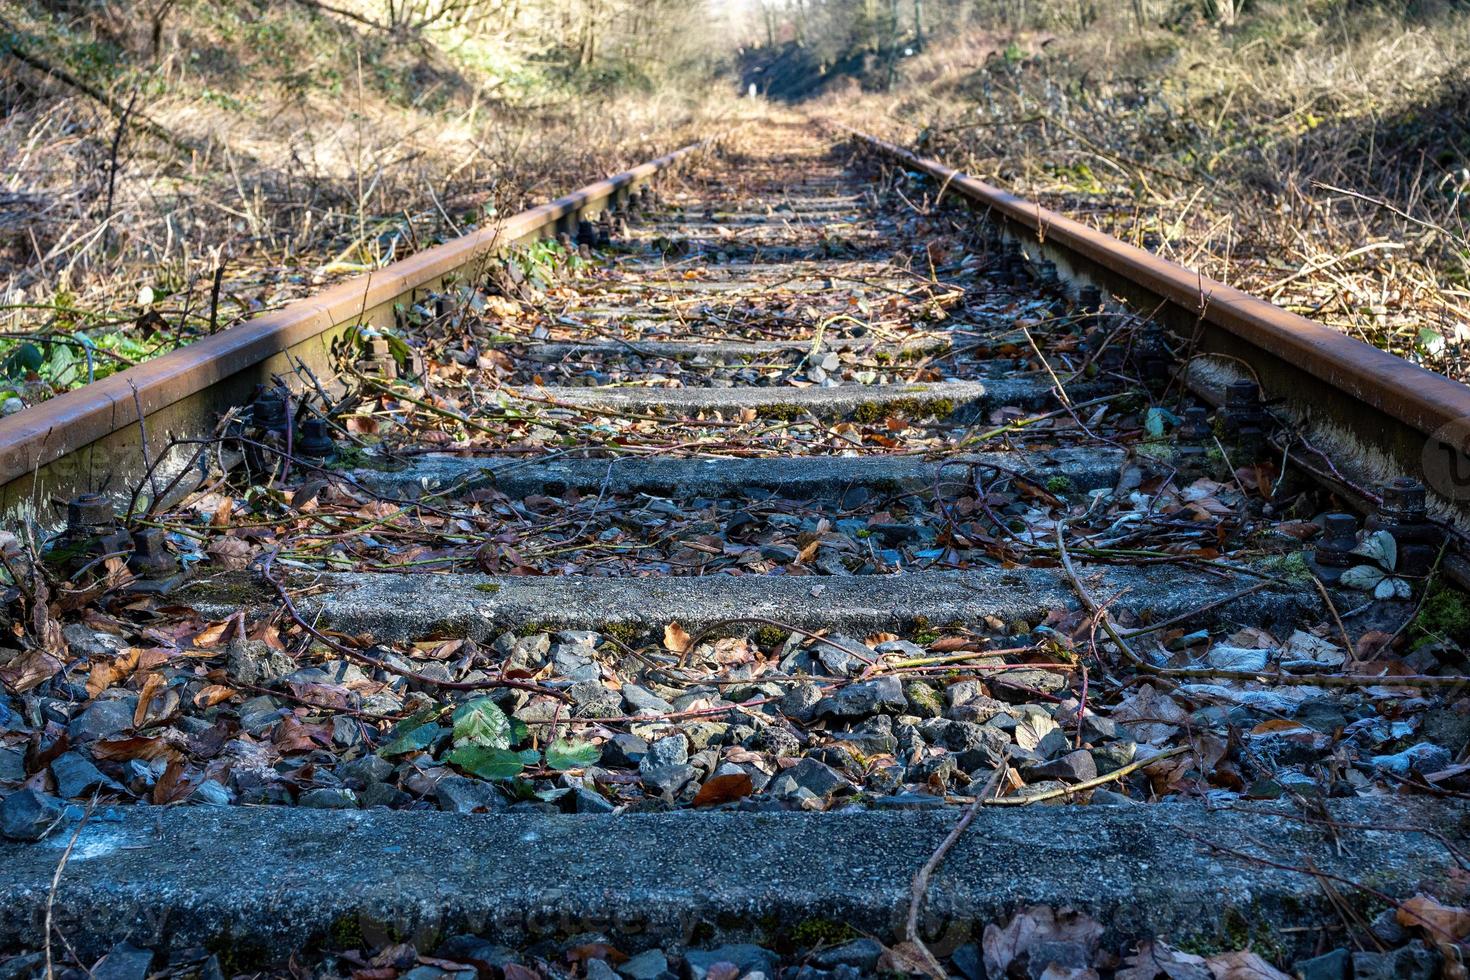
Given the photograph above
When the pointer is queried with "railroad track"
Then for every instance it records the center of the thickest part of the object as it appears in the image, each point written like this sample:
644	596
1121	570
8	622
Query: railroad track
784	488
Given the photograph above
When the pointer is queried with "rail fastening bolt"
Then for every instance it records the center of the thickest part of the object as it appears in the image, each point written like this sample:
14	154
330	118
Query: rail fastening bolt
1333	552
316	439
151	558
89	511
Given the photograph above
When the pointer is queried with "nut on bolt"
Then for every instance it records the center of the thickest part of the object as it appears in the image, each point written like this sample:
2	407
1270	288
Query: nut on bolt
269	410
88	512
377	358
1333	552
1245	417
316	439
1404	514
1046	274
151	558
1196	424
586	233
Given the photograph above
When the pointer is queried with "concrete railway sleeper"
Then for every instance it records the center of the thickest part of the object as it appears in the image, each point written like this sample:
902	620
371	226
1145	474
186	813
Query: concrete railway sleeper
772	503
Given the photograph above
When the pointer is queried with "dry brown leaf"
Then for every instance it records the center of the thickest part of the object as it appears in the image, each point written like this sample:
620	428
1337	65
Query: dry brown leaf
213	634
1037	924
107	673
212	694
152	684
1442	922
31	669
724	789
677	639
231	554
1157	959
1243	965
907	959
124	747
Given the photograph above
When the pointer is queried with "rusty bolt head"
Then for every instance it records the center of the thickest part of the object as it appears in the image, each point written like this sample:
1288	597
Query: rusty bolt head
1403	501
1242	396
89	510
1196	424
151	557
316	439
269	411
1333	553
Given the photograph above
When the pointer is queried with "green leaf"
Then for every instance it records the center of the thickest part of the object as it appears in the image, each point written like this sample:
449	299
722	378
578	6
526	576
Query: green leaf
416	739
1380	548
1153	423
1393	588
26	357
487	763
481	722
1363	577
567	753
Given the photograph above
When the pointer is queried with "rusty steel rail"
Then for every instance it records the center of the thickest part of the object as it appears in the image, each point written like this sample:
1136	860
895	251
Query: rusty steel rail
91	436
1385	415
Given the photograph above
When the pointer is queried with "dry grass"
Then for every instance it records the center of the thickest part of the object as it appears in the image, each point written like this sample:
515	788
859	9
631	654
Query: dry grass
1323	163
299	148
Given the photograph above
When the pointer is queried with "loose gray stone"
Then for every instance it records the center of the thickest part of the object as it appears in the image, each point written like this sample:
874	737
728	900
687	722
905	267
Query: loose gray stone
1387	928
641	699
649	965
257	662
380	794
597	969
882	694
1074	767
1113	756
1236	658
746	957
818	778
671	750
328	798
461	794
624	751
1412	962
871	737
1420	757
668	781
860	954
593	700
840	661
923	700
1328	966
368	769
1102	796
123	962
485	956
908	801
84	641
27	815
12	765
103	718
583	800
76	775
778	740
800	702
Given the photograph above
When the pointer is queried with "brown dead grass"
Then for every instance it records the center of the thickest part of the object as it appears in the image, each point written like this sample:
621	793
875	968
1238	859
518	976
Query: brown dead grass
1324	164
305	148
